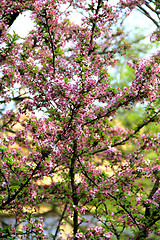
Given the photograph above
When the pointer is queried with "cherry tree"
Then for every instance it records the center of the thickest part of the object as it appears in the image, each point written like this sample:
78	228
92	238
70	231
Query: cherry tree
66	117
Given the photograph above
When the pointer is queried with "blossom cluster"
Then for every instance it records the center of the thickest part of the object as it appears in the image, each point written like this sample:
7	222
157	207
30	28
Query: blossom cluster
63	128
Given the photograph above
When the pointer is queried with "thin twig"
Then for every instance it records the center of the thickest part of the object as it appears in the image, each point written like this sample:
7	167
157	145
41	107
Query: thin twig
152	9
59	223
110	195
93	27
148	15
51	42
127	138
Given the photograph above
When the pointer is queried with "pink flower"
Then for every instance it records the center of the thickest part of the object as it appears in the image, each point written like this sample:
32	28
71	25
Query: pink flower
108	234
138	200
79	235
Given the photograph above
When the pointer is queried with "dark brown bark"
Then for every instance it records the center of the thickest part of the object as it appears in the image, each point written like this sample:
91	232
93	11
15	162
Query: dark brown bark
73	187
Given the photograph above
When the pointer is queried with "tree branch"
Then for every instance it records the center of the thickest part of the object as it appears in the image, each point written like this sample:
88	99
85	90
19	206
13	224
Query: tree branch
127	138
51	42
93	27
59	223
154	189
110	195
73	186
148	15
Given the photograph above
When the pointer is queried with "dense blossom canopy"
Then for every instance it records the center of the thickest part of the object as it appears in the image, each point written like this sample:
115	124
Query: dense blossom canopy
59	75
